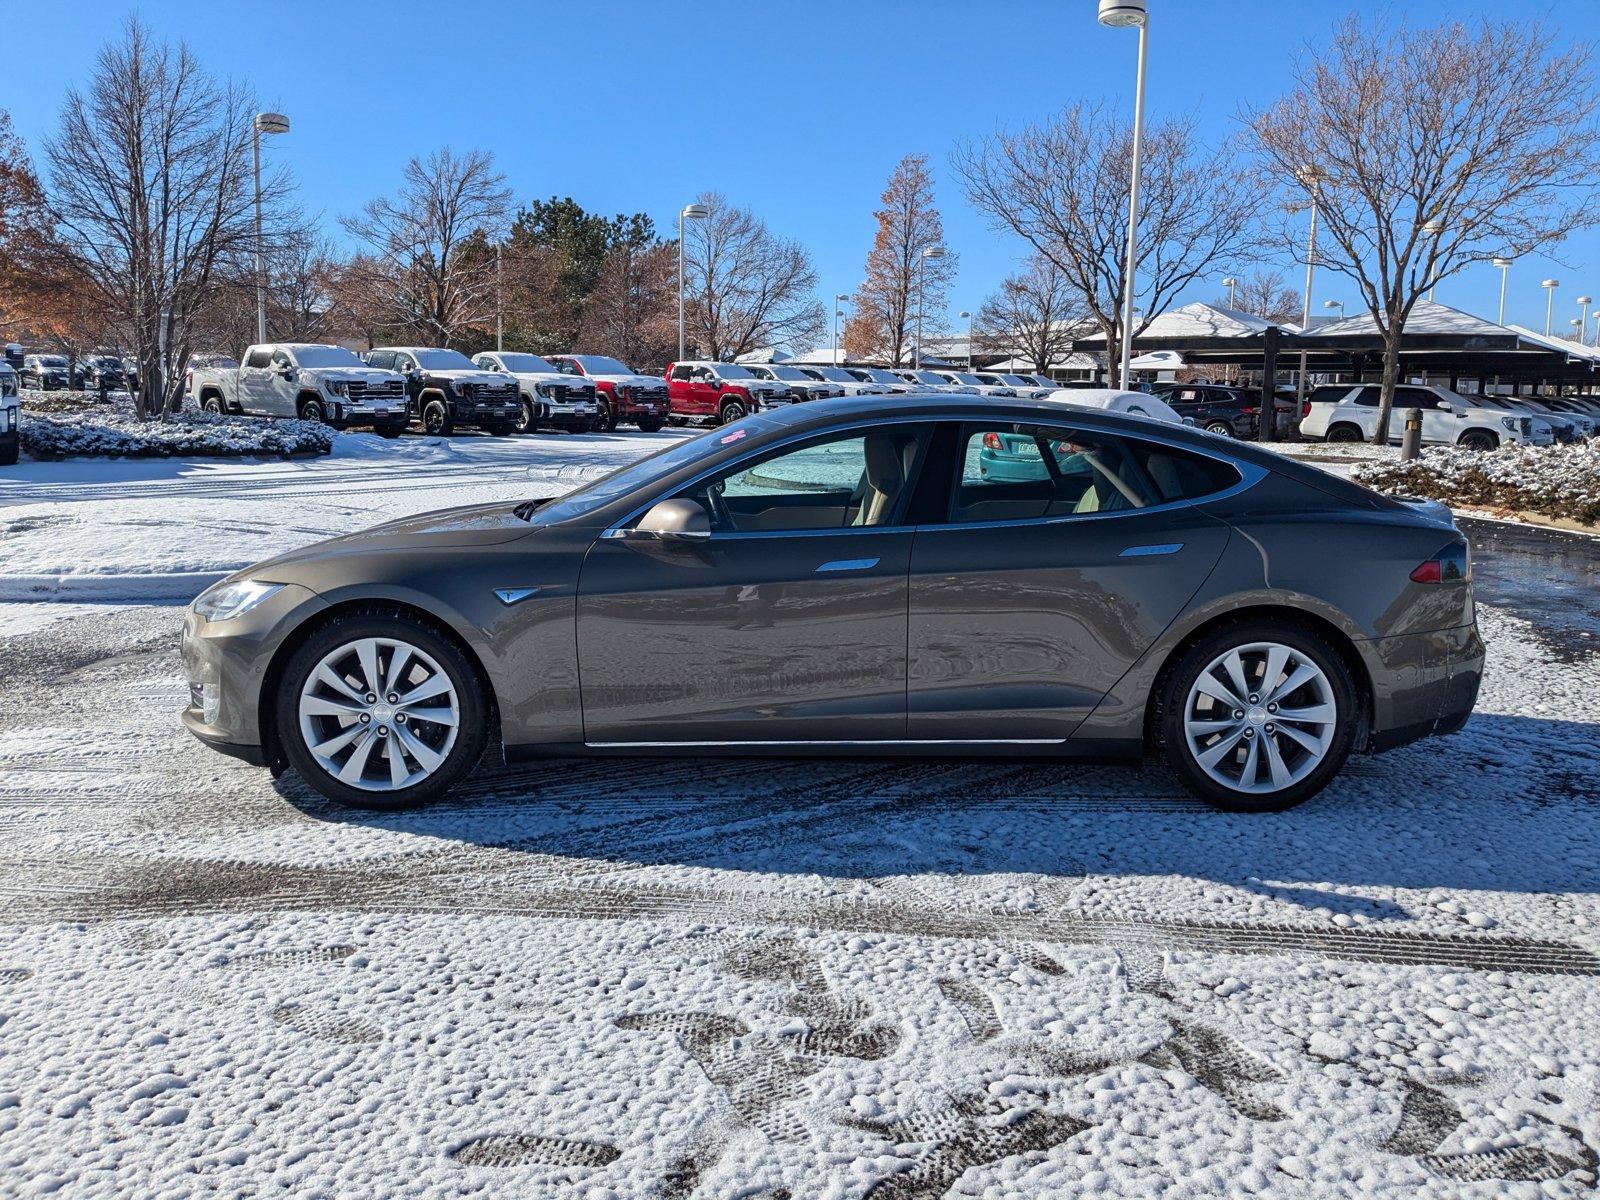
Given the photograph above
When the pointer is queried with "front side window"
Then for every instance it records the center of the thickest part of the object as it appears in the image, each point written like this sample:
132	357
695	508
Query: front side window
860	479
258	358
682	372
280	360
1025	472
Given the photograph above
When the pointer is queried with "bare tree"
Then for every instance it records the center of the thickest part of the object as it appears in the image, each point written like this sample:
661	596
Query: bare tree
884	309
432	275
745	286
302	268
1428	150
1033	315
632	313
151	197
1264	294
1062	186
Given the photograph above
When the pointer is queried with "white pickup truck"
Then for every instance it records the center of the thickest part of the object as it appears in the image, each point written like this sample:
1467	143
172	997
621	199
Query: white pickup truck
1348	412
311	382
10	415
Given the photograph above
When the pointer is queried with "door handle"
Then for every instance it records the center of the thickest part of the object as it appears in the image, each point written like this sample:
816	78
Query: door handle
848	564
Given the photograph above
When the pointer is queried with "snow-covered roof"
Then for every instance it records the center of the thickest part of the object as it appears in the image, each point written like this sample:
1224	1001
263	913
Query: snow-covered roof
1427	317
1198	320
1564	345
763	356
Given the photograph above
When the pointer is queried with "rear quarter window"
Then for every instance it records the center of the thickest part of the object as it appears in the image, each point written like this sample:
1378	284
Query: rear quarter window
1179	475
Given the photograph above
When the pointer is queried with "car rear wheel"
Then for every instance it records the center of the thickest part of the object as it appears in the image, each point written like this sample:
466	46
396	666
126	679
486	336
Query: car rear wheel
1220	428
1345	433
1477	439
436	418
379	712
732	410
1258	716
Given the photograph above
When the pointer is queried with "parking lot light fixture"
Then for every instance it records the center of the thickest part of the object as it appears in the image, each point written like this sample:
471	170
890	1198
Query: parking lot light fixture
1231	284
838	300
269	123
1583	321
1126	14
967	317
934	252
1505	272
1577	329
689	212
1339	304
1549	286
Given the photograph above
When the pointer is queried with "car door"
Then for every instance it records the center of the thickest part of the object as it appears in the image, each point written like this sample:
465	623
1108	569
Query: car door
1035	591
254	376
787	623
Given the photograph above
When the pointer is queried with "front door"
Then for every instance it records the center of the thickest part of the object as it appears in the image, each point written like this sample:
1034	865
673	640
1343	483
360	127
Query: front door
255	382
1063	554
786	624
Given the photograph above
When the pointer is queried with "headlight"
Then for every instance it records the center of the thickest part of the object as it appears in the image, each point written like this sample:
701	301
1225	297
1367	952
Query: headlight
460	387
1509	423
229	600
338	387
543	389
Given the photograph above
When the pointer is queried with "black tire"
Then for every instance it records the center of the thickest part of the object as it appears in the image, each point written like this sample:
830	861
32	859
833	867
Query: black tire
731	411
650	424
1172	691
436	418
472	731
391	430
606	419
501	428
9	451
1220	428
311	409
528	421
212	404
1345	432
1480	440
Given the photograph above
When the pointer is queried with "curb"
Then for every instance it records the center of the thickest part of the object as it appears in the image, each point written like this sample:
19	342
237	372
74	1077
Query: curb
172	587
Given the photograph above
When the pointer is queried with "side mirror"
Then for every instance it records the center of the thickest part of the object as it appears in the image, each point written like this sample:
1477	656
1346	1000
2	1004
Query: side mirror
674	521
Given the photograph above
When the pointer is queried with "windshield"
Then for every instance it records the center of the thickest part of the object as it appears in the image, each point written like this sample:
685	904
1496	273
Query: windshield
959	377
1017	381
599	364
927	377
788	373
527	364
444	360
52	360
105	361
636	474
836	374
731	371
325	356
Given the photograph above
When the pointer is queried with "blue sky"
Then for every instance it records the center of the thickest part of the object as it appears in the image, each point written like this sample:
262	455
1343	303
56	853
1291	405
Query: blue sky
796	110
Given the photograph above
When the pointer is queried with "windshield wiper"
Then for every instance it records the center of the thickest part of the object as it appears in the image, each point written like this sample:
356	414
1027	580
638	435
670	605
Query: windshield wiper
527	508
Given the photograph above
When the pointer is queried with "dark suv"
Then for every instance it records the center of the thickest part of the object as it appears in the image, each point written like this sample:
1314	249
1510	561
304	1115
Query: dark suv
1229	411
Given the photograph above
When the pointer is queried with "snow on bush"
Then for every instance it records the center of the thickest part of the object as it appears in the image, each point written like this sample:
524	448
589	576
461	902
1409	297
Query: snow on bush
1556	481
113	431
77	401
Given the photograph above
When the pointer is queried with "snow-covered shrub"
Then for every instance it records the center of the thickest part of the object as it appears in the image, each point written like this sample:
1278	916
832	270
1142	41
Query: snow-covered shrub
1557	481
113	431
63	401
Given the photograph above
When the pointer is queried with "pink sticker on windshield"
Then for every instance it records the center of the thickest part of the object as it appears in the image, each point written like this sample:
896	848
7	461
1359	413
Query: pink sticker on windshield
734	436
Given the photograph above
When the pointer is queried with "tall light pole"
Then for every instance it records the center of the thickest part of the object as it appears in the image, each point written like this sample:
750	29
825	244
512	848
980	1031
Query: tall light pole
928	252
1311	178
689	212
837	301
1230	283
1130	14
1549	286
967	317
499	305
266	122
1578	325
1433	228
1505	273
1583	323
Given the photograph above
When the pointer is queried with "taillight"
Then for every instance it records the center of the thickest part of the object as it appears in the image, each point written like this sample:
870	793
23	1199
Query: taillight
1453	564
991	441
1249	411
1305	410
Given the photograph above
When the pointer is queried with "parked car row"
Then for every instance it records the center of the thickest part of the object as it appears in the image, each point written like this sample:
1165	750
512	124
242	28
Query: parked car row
1226	410
10	415
1348	412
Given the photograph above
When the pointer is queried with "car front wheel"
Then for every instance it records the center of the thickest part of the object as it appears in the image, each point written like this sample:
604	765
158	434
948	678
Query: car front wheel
1477	439
526	421
436	418
1257	717
312	410
650	424
732	410
376	711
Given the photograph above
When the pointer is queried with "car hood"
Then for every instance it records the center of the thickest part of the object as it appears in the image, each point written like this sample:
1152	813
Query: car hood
553	377
473	376
638	381
471	525
342	374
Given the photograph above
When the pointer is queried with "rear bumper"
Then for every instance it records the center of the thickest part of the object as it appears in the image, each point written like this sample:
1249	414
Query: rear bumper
1423	684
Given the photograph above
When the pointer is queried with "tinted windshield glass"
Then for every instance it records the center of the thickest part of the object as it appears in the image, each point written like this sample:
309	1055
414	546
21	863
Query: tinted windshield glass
879	375
444	360
787	373
599	364
52	360
636	474
530	364
105	362
836	374
730	371
961	378
326	356
926	377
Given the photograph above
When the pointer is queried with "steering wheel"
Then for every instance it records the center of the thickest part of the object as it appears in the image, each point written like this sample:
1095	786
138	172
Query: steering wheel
721	517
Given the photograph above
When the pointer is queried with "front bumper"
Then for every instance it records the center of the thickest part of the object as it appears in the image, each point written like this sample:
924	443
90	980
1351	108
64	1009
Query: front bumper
474	412
1424	683
225	663
345	412
570	416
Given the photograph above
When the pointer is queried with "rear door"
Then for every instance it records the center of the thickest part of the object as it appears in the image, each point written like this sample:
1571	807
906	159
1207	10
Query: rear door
1048	573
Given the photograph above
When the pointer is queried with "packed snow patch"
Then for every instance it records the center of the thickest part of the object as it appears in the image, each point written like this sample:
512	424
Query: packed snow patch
1556	481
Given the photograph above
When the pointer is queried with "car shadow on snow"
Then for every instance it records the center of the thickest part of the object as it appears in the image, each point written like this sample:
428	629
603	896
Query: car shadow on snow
1509	804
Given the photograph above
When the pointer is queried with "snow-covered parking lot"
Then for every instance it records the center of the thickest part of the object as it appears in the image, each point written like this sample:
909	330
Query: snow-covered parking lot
724	979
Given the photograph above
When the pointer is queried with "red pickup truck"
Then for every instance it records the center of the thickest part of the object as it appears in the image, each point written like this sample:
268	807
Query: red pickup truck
721	392
622	394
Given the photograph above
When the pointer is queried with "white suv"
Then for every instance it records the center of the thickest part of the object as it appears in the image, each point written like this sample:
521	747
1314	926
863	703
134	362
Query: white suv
1348	412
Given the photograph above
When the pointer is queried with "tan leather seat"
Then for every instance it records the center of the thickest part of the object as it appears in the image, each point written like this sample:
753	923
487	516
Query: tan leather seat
885	476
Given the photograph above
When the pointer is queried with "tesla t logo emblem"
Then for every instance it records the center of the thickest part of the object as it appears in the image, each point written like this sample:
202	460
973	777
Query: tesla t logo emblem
515	595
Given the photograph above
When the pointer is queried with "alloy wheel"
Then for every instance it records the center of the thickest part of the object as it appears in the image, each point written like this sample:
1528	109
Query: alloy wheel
379	714
1260	717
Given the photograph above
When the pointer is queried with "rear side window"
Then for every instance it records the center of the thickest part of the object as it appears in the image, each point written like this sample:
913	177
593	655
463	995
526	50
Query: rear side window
1368	397
1025	472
